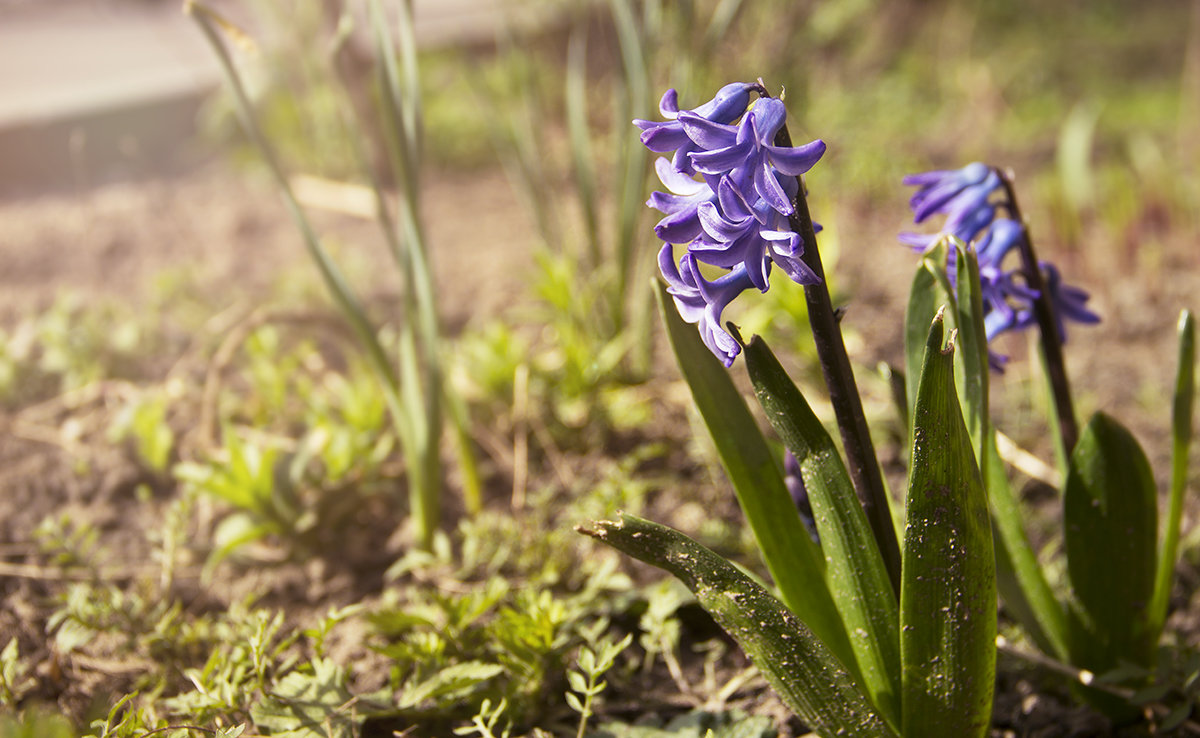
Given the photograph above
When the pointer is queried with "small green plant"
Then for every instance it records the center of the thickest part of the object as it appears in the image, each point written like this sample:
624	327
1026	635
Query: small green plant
483	724
68	346
595	659
15	677
412	388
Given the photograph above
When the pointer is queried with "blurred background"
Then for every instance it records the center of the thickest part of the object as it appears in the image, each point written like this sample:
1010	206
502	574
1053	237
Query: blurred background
124	173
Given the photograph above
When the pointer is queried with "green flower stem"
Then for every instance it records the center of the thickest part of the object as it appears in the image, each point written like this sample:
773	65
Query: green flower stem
843	390
1043	310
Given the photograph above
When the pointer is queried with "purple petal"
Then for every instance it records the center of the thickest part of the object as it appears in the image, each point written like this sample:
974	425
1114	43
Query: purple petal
769	189
716	225
767	118
796	160
707	134
664	137
720	161
678	182
668	106
728	104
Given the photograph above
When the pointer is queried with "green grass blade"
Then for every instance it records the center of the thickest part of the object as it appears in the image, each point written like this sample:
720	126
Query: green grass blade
802	670
795	562
1109	531
948	589
633	159
580	138
1182	411
854	566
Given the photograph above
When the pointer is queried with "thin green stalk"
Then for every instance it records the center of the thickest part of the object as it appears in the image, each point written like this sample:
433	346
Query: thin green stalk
580	136
633	158
332	276
843	391
421	379
1181	441
1043	310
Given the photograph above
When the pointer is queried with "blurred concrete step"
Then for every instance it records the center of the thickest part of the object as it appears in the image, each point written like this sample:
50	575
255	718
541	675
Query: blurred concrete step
91	90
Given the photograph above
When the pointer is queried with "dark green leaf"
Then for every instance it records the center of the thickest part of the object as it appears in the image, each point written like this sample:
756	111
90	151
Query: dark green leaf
1175	717
1109	529
854	566
793	559
805	673
948	590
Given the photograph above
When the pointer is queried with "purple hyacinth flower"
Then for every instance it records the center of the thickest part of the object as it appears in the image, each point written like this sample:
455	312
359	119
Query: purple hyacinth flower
1000	238
666	136
1000	291
746	152
702	302
681	204
736	232
938	188
964	226
1069	302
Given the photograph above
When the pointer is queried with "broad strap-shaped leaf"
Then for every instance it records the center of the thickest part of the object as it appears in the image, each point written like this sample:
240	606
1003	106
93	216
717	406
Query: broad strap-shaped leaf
1182	411
854	567
796	663
948	590
971	365
1020	579
795	562
924	298
1110	530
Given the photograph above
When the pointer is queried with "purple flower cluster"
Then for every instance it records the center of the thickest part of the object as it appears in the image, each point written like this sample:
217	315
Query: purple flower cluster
968	198
730	192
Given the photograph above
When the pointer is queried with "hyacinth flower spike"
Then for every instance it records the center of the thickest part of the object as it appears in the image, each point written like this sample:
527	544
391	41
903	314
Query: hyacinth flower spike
1015	299
758	218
